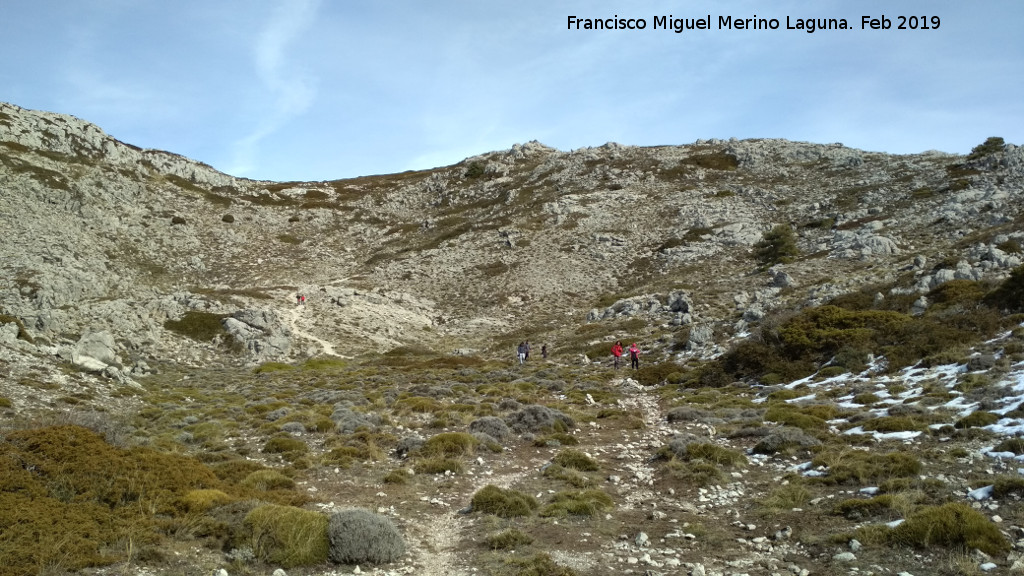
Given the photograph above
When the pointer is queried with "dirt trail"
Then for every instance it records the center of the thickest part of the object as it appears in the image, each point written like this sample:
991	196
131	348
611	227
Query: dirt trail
326	346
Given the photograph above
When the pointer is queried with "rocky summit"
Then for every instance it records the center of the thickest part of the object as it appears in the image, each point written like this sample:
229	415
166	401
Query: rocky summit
829	379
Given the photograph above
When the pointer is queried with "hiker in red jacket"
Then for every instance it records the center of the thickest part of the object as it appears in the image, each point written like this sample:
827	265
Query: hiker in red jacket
634	356
617	352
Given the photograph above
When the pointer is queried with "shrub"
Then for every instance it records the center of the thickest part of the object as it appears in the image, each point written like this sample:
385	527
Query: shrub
585	503
177	220
860	509
265	480
1006	485
199	326
576	460
536	418
204	499
438	466
508	539
539	565
1009	295
228	218
397	476
688	414
783	439
952	525
1015	445
475	169
22	332
285	445
448	444
505	503
288	536
358	536
977	419
492	426
777	246
656	373
859	467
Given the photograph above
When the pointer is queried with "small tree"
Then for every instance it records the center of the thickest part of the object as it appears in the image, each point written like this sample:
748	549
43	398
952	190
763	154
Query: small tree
777	246
991	145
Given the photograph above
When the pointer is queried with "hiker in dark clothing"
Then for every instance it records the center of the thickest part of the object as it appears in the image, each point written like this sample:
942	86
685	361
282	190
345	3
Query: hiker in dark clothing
544	351
521	351
634	356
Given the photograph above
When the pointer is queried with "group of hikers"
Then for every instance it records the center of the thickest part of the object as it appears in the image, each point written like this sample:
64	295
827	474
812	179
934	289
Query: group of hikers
634	354
523	353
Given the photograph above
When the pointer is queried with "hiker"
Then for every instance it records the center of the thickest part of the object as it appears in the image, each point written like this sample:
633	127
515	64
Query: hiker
617	352
544	351
298	299
527	344
634	356
522	352
303	299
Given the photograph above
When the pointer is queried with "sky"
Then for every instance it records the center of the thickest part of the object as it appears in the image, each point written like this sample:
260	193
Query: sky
325	89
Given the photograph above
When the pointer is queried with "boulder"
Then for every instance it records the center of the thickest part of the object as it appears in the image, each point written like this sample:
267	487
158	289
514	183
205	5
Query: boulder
94	352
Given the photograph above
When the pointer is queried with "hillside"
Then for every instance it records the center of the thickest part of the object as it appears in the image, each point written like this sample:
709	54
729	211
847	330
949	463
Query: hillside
831	342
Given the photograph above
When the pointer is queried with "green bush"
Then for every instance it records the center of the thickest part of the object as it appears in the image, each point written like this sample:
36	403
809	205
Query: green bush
285	445
538	565
977	419
508	539
777	246
502	502
1009	295
199	326
438	466
860	467
265	480
952	525
991	145
288	536
576	460
358	537
585	503
448	445
1015	445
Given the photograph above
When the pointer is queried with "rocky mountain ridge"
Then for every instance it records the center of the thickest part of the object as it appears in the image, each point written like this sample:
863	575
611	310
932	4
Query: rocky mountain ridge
532	242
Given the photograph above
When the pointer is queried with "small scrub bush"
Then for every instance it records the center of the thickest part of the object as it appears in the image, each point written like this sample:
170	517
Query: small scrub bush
438	466
288	536
205	499
888	424
555	439
714	453
199	326
177	220
860	467
785	439
537	419
227	218
268	367
991	145
866	398
1008	485
508	539
977	419
1015	445
570	476
576	460
449	445
953	525
538	565
285	445
358	536
266	480
397	476
860	509
492	426
505	503
584	503
787	497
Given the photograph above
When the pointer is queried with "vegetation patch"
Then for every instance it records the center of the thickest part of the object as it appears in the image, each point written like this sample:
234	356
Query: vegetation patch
508	539
199	326
505	503
583	503
288	536
576	460
952	525
861	468
359	536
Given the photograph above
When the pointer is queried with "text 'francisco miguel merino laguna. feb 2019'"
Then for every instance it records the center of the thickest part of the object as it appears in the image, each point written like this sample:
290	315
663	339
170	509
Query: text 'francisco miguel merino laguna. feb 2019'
810	25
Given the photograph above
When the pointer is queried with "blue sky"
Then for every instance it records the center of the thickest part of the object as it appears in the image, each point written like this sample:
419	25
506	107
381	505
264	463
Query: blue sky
325	89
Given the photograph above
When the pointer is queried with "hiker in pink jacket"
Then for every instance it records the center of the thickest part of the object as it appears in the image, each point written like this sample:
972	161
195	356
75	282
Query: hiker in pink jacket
634	356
